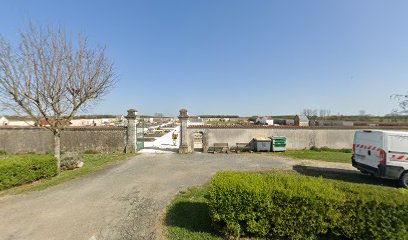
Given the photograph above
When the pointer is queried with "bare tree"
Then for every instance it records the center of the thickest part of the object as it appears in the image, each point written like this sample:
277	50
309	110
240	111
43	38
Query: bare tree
50	78
324	113
307	112
402	100
310	112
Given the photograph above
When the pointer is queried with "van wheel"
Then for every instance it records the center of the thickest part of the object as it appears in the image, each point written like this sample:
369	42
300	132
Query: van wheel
404	180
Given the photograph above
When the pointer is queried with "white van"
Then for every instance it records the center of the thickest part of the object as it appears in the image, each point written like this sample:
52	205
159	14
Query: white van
382	153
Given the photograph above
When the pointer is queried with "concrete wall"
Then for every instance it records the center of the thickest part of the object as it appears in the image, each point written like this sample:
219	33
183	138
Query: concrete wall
37	140
297	138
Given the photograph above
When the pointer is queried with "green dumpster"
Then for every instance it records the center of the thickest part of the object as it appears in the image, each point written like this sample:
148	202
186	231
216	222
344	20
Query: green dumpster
278	144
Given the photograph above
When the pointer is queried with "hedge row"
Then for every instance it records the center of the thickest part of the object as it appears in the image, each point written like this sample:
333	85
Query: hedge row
292	206
18	170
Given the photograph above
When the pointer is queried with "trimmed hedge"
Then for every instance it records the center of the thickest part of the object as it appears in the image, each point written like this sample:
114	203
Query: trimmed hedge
291	206
21	169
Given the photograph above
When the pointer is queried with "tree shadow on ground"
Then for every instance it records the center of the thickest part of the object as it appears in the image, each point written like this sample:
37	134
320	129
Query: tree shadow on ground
193	216
351	176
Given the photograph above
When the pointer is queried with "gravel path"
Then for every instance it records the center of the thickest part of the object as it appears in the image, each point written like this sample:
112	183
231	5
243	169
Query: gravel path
123	201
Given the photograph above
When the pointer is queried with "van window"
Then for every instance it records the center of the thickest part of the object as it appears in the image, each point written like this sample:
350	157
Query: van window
398	143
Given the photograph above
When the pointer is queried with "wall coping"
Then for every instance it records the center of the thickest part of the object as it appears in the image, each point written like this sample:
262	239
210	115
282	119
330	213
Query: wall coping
84	128
294	127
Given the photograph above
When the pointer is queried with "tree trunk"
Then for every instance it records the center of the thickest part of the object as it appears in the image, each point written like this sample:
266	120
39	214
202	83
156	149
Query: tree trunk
57	149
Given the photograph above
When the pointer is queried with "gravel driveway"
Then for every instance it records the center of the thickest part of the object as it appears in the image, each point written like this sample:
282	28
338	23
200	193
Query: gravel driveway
123	201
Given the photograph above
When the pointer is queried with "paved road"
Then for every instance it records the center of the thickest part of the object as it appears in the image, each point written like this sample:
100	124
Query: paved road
163	144
121	202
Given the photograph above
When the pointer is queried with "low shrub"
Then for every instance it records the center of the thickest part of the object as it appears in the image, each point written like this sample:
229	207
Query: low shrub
291	206
314	148
21	169
3	152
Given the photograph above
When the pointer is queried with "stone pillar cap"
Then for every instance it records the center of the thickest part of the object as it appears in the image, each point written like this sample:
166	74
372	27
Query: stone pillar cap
132	113
183	113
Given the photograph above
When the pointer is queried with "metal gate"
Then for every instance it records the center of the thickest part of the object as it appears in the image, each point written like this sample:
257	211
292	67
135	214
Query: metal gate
140	134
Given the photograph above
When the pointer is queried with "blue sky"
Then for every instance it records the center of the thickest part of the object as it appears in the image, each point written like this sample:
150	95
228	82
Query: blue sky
238	57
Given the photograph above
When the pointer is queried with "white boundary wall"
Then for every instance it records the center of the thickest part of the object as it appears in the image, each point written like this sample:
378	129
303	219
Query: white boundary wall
297	138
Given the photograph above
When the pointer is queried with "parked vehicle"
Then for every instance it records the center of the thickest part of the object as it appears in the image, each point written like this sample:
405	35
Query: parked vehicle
382	153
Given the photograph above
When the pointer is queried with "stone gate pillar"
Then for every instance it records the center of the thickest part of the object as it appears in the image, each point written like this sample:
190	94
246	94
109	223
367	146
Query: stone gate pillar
184	136
131	138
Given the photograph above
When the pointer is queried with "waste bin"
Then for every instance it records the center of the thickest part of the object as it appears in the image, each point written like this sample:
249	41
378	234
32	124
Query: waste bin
278	144
262	144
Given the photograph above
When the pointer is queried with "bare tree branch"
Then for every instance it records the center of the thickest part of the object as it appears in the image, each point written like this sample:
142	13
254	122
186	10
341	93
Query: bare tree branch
402	101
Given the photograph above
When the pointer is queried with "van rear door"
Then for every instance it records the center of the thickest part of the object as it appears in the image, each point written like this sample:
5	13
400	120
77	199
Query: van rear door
398	150
368	146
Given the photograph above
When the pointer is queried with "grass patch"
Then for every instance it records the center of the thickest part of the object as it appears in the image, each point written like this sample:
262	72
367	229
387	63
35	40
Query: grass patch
322	155
188	216
92	163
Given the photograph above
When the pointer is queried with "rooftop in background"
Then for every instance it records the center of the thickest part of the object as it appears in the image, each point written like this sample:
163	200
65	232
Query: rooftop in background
218	116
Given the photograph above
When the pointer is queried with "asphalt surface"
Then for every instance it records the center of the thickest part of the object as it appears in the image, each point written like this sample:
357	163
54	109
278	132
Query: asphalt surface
124	201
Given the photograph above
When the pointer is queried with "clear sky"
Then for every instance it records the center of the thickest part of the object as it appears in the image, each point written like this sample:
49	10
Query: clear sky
238	57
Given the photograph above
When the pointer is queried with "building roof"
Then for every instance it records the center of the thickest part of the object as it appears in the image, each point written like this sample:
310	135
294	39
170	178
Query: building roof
44	122
218	116
303	118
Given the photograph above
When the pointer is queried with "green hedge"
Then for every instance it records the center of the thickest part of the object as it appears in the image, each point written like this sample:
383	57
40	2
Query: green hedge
21	169
292	206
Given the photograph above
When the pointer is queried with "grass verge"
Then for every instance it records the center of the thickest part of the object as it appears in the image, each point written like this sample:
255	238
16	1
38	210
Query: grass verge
327	156
92	163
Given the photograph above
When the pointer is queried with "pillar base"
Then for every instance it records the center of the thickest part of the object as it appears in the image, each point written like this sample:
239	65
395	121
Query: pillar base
130	149
184	149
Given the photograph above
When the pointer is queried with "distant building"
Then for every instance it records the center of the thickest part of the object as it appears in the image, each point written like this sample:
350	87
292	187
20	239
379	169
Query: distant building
264	121
3	121
196	121
16	121
44	122
219	118
301	120
284	122
82	121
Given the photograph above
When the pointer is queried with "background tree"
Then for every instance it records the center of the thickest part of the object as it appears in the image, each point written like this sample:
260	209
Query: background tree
310	113
362	113
50	78
402	100
324	113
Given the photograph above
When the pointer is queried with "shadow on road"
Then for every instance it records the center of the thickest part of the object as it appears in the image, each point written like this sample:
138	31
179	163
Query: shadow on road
193	216
351	176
